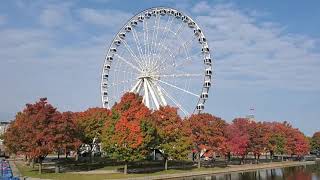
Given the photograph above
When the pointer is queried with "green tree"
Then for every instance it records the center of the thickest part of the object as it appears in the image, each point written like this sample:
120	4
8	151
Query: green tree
173	141
315	141
91	123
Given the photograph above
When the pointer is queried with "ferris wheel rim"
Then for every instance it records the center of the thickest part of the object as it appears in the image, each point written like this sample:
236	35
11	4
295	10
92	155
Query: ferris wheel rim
202	98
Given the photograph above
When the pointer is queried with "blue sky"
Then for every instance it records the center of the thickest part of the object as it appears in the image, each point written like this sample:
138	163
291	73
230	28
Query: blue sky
267	54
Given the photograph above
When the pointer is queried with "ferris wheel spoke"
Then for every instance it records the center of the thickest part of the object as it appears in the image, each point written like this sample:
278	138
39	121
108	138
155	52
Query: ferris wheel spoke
174	101
121	82
156	39
176	87
128	63
137	41
127	72
184	61
146	39
153	38
135	58
180	75
174	55
165	33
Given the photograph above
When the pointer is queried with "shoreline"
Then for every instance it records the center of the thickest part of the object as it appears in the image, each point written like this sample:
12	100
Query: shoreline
227	170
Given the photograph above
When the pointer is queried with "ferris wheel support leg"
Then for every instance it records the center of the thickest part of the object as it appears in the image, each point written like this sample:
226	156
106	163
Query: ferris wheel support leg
135	86
152	94
146	93
163	101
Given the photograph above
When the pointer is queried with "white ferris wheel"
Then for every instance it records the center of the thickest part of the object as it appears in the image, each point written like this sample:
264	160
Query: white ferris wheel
161	54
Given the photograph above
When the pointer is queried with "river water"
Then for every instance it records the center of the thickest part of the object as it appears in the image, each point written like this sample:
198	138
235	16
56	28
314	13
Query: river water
306	172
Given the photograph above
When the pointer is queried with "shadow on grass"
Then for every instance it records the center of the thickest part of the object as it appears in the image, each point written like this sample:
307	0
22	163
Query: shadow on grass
113	166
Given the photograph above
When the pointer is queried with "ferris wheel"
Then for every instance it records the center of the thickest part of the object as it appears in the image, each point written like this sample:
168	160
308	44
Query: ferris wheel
163	55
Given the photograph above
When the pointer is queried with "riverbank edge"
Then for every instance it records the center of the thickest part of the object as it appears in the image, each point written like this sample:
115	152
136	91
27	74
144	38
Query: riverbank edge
233	169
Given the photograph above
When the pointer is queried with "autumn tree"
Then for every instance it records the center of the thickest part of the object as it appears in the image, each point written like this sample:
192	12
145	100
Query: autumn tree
258	138
91	123
15	140
34	127
129	134
173	141
238	137
206	132
66	134
315	141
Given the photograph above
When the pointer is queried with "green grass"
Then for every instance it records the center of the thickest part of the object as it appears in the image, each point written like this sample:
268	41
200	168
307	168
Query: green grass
27	171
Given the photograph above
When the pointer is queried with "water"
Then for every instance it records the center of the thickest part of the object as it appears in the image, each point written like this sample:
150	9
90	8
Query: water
307	172
5	171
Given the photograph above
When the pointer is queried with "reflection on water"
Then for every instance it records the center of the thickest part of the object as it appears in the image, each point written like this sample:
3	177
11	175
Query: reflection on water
307	172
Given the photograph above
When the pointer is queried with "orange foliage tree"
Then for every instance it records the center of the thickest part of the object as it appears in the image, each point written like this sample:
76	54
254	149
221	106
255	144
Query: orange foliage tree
129	134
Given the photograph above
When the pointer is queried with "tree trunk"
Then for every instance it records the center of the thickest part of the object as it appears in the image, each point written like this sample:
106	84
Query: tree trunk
58	154
199	160
40	166
92	157
229	156
66	153
125	169
165	163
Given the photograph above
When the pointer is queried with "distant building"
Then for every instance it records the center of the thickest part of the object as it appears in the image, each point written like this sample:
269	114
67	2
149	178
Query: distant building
3	126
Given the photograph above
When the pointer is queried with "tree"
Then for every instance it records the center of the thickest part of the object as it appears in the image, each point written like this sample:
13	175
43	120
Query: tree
173	141
258	138
66	134
238	138
206	132
91	123
14	137
34	127
129	133
315	141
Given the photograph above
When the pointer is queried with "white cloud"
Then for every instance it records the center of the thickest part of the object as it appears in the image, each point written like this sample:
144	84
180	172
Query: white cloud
201	7
57	15
253	53
109	18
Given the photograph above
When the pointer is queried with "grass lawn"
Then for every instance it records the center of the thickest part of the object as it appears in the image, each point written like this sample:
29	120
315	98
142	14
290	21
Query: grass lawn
27	171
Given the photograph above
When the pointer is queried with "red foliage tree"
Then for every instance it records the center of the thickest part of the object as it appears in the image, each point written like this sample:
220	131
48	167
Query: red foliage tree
238	137
207	133
34	126
66	133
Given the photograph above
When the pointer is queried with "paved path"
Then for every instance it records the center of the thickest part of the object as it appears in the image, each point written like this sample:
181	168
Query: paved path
235	168
14	168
